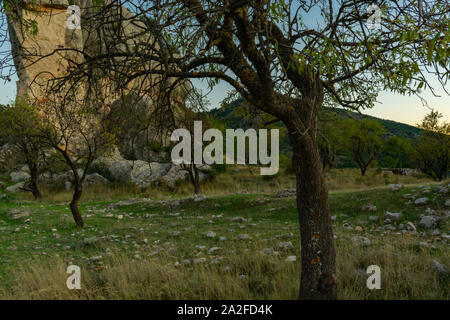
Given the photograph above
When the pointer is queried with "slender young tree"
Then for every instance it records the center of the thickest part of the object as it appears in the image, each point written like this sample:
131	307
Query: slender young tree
364	141
19	124
286	58
433	150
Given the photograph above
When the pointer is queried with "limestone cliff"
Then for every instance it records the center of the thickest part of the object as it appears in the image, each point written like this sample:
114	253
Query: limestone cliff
40	56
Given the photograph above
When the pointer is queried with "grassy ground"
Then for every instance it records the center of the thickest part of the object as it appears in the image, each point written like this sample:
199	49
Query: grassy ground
155	247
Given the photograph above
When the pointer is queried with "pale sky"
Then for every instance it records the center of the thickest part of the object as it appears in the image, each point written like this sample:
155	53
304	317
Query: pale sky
391	106
406	109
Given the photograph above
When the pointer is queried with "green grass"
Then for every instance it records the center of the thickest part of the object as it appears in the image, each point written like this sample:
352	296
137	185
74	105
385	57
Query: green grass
33	258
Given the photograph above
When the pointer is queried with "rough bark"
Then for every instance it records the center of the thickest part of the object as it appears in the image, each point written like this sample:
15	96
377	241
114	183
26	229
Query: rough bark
196	180
78	191
34	188
318	254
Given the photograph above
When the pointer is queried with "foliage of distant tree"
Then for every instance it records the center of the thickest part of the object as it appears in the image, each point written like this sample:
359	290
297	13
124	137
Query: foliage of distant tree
395	153
364	141
433	151
19	126
330	137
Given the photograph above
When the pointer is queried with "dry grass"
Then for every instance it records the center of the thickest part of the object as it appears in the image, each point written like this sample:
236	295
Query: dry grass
405	275
239	178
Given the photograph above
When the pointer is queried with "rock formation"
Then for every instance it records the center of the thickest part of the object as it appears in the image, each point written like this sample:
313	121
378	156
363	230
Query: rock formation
41	45
41	56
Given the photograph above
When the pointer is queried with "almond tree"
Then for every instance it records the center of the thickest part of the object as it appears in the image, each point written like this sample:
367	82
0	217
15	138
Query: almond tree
19	124
364	141
286	58
433	150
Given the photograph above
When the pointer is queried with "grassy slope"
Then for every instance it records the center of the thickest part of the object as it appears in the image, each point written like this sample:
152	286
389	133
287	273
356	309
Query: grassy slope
138	252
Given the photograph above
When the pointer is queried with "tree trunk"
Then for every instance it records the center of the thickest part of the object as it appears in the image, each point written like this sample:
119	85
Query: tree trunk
318	254
363	171
34	188
78	190
33	185
196	180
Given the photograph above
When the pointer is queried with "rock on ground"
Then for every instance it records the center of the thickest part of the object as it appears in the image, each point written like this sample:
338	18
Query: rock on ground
393	216
429	222
361	241
15	188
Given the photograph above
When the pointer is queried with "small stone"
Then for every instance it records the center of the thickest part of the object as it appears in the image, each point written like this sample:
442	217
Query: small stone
210	234
243	237
373	218
291	259
421	201
217	260
395	187
267	251
120	217
213	249
285	246
394	216
361	241
439	267
175	233
199	260
369	207
222	238
447	203
410	226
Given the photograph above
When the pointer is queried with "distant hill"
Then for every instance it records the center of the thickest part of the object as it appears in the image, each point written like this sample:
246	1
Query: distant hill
228	116
232	116
393	128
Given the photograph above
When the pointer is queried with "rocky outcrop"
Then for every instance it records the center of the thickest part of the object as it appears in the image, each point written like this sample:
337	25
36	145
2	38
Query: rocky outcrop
38	58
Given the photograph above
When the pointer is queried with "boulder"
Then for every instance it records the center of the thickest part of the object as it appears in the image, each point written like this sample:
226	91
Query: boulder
94	179
138	172
173	175
429	222
15	188
121	170
144	173
19	176
108	159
